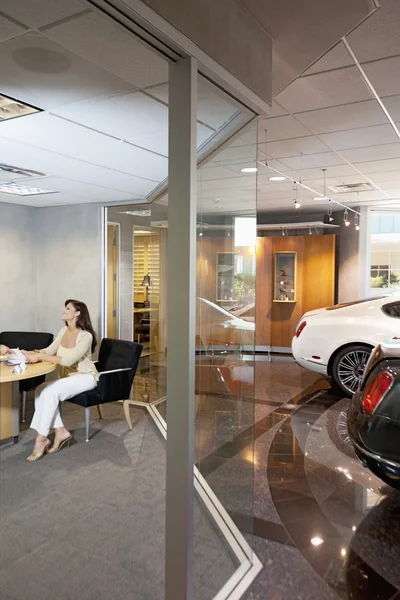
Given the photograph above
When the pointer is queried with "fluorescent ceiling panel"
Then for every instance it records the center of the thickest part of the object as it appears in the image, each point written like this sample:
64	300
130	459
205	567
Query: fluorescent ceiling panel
18	189
12	109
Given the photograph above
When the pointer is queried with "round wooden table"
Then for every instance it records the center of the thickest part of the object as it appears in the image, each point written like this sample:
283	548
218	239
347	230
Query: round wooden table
9	395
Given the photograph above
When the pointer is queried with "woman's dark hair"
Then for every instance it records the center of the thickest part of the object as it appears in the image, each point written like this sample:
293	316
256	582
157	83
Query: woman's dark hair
83	321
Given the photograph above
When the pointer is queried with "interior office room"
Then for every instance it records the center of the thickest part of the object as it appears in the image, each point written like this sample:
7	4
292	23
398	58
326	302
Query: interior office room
207	201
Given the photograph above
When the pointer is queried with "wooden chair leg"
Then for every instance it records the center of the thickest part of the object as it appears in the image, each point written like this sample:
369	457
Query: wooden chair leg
100	411
127	413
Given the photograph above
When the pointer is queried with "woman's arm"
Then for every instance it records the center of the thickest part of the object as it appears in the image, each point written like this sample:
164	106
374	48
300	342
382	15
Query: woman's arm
81	348
49	351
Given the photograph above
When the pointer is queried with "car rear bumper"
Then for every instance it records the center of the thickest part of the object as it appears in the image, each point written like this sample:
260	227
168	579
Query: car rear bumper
358	425
307	363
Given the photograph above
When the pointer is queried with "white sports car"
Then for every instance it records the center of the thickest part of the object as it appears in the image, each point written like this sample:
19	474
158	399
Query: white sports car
338	340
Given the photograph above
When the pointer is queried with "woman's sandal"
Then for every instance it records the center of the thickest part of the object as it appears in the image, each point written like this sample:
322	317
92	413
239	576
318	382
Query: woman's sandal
66	441
39	455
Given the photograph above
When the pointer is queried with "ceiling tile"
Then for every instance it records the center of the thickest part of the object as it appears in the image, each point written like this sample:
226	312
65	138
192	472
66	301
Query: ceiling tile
358	138
379	166
339	118
38	13
311	161
342	170
386	176
337	57
9	29
283	128
86	192
23	64
358	155
293	147
29	157
276	110
105	43
323	90
381	75
56	135
378	36
392	104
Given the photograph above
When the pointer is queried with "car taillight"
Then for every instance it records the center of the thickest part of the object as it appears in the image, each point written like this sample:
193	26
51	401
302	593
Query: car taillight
376	391
300	328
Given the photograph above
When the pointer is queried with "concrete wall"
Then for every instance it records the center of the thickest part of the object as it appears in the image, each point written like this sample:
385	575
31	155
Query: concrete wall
348	260
52	254
17	271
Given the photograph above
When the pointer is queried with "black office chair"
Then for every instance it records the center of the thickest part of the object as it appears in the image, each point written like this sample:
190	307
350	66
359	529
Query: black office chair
117	365
27	340
143	329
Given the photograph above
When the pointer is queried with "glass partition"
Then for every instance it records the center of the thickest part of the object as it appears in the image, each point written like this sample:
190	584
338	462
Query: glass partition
225	333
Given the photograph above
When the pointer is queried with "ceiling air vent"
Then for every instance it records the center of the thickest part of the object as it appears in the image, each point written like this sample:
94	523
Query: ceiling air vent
350	188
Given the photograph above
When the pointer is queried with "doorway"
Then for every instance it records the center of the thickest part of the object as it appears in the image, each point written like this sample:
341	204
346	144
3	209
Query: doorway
113	253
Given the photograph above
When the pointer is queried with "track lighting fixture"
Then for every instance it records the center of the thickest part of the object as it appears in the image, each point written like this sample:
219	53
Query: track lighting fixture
330	217
346	218
357	221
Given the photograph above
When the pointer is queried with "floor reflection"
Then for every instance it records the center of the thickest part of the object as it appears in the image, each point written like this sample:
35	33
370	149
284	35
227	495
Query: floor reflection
323	526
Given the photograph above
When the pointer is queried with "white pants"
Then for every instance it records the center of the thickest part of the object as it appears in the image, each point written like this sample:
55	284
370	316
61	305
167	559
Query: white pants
49	395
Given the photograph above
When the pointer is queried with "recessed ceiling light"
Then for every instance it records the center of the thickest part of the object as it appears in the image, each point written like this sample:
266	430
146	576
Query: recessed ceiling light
249	170
321	198
139	213
23	190
10	108
277	178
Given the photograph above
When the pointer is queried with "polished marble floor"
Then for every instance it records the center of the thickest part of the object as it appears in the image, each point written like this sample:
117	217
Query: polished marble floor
323	526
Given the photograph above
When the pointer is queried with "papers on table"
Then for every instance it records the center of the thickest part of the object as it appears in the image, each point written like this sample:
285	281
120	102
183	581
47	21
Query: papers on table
17	360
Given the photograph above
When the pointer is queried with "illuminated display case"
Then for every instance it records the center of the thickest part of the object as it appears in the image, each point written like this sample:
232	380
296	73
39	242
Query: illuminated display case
285	277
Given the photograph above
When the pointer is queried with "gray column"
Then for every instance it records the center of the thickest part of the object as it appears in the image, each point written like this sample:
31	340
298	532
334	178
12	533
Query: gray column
181	307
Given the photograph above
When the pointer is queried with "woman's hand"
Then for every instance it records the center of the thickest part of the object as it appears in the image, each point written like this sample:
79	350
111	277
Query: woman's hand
33	357
4	349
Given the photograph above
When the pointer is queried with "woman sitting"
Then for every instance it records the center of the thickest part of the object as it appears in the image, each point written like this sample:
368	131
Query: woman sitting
71	351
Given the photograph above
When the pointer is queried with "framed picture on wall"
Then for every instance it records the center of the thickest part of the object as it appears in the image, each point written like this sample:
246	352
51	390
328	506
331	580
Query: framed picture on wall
285	277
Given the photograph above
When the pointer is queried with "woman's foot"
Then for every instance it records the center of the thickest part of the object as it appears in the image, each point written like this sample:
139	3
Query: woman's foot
42	443
61	437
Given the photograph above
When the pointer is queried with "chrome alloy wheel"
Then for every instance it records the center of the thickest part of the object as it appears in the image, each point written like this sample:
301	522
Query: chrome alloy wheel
350	369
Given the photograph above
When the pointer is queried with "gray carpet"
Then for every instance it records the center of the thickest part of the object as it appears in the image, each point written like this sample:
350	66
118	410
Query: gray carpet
88	522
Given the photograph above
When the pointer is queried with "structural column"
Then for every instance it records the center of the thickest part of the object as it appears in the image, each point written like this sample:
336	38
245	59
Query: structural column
181	307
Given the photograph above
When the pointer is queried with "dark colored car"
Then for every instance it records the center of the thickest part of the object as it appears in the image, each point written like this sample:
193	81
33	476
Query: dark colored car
373	420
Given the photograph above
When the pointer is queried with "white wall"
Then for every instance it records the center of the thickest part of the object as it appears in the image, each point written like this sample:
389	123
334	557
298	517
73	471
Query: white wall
68	262
51	254
17	270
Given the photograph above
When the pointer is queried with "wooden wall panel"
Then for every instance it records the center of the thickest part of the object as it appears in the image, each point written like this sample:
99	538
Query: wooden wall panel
263	291
275	322
315	285
318	271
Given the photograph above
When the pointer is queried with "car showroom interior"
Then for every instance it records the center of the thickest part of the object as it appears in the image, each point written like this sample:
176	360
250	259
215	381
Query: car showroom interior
195	287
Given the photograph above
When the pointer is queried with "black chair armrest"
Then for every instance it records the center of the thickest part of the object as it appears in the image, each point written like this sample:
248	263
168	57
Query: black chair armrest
115	385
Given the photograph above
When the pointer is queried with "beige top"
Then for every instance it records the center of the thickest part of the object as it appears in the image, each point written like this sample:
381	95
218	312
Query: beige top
75	360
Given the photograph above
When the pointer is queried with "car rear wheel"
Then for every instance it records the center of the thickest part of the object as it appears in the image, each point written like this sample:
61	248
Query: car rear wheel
349	366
